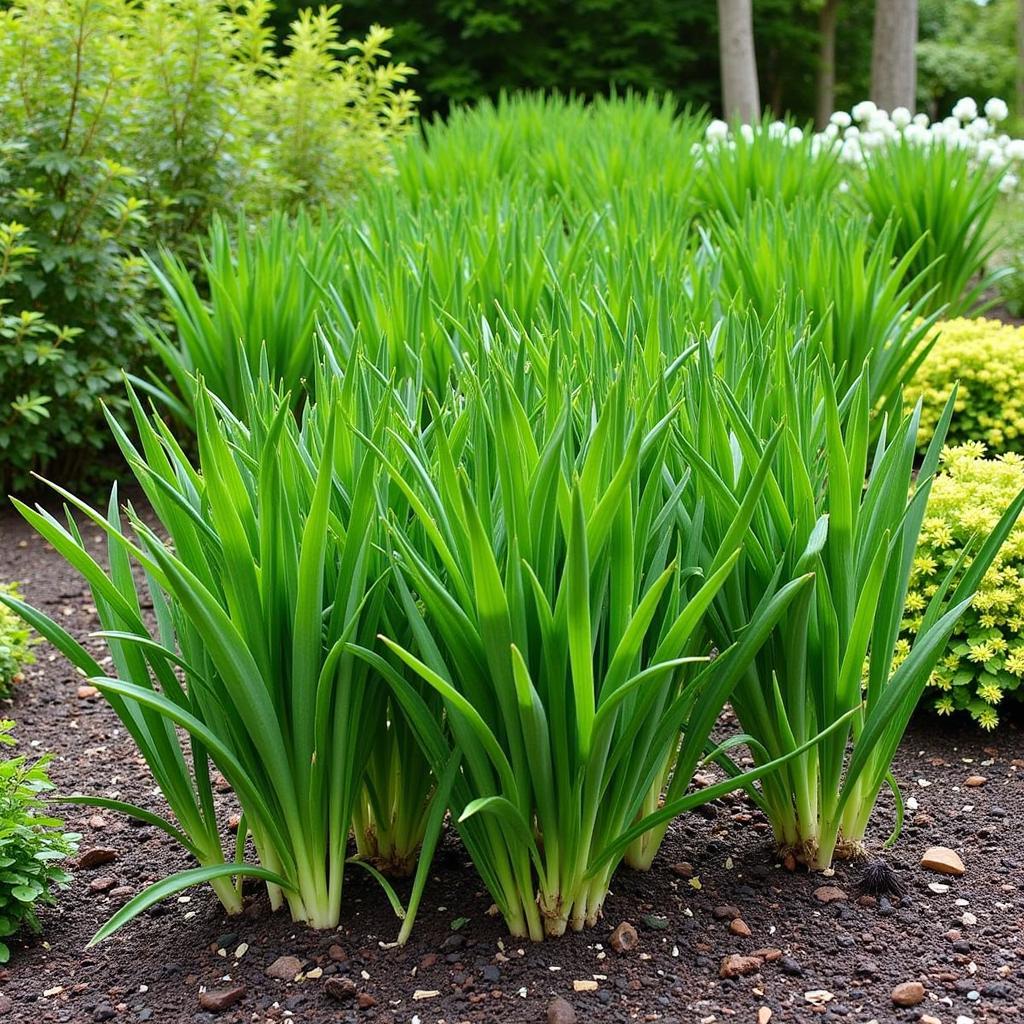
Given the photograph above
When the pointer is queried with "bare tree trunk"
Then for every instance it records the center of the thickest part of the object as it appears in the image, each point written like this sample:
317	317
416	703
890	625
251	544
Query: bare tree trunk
740	96
827	61
893	61
1020	58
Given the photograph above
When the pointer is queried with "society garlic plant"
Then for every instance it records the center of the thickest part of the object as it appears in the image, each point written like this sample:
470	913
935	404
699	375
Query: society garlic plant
557	611
847	510
265	567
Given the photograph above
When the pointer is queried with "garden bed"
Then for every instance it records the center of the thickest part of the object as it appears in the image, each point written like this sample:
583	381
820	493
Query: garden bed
965	944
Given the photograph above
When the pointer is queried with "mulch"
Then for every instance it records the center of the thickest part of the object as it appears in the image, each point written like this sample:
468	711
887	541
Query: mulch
836	961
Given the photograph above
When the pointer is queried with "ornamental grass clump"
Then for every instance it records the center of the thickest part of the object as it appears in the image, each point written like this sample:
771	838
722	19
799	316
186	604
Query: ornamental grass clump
850	512
550	585
985	359
267	565
985	658
803	264
942	207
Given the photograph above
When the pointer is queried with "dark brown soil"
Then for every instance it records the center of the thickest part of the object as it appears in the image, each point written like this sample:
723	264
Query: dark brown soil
965	944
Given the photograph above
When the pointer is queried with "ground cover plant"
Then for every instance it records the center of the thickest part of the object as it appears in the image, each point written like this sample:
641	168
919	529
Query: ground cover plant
984	660
16	643
32	843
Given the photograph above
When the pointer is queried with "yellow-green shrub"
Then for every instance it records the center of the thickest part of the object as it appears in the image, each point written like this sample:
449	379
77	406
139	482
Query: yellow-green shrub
987	358
985	657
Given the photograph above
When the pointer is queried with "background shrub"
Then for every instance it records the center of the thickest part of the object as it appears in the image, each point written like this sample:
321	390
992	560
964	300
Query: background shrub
987	358
125	124
985	657
16	643
31	843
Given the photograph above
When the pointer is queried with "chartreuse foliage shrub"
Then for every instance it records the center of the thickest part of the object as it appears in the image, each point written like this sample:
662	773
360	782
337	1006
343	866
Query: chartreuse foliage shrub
271	566
125	124
833	659
985	358
985	658
16	643
32	843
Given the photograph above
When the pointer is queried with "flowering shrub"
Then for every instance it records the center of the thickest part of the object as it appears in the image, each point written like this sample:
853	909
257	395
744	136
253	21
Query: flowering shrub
16	642
31	844
985	657
125	124
987	358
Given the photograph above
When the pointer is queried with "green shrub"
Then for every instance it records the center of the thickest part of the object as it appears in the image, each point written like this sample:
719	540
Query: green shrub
124	124
986	359
31	844
16	642
985	658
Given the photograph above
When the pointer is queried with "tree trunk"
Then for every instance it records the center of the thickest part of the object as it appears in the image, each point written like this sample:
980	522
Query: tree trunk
893	61
827	62
740	97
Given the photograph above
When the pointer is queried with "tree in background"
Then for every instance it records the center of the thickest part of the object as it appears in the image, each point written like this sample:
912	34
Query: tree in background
740	95
466	49
966	49
893	59
825	92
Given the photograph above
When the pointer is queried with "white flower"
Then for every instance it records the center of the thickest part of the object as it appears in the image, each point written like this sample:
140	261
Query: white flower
996	110
716	131
844	186
795	135
979	129
901	117
921	120
863	110
852	132
841	119
747	132
777	129
966	109
1008	183
916	134
1015	149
